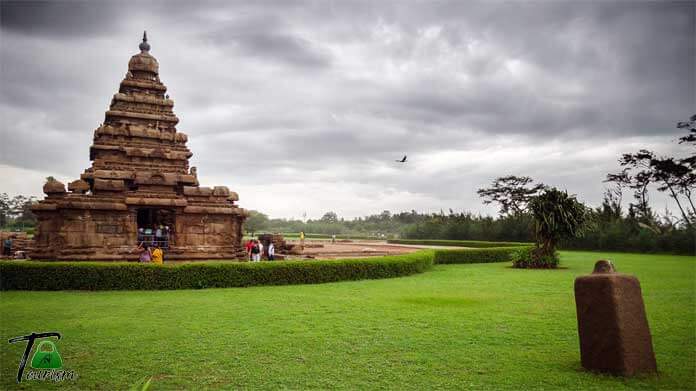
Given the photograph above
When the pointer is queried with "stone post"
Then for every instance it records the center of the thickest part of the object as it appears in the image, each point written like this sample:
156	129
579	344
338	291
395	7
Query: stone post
613	329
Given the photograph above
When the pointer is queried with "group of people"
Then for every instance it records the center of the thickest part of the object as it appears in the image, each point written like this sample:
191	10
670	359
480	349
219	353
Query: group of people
147	254
9	251
154	253
254	249
159	235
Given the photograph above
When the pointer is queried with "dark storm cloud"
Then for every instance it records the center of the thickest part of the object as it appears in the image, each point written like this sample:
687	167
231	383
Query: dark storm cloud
271	43
328	93
59	19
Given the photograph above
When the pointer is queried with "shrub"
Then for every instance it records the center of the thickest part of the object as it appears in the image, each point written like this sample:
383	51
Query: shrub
458	243
557	216
533	258
479	255
28	275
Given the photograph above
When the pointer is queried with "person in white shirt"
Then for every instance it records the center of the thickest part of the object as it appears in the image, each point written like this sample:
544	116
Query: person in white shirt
271	251
255	251
260	254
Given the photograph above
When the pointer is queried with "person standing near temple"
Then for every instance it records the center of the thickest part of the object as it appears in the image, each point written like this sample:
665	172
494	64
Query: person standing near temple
144	253
255	257
158	236
158	255
166	237
249	246
301	240
7	246
271	252
258	243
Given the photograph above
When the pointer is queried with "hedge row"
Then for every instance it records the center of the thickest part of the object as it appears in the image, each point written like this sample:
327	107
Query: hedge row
296	235
458	243
28	275
477	255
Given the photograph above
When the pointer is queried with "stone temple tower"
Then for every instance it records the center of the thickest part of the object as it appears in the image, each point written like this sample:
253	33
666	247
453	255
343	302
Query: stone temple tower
140	187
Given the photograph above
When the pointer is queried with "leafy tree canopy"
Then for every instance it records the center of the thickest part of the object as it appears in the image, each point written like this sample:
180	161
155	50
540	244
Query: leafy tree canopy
672	175
256	222
511	192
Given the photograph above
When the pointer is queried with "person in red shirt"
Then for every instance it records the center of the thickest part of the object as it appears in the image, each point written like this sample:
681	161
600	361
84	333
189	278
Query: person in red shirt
249	246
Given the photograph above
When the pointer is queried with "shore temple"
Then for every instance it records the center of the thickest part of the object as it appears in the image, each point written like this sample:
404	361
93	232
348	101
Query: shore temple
140	181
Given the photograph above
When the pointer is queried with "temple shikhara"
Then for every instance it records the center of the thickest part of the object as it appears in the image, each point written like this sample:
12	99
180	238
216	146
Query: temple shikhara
139	185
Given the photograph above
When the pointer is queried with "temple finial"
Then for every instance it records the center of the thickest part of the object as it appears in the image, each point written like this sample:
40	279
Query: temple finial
144	46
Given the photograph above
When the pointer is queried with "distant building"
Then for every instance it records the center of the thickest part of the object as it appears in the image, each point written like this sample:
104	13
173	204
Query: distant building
140	180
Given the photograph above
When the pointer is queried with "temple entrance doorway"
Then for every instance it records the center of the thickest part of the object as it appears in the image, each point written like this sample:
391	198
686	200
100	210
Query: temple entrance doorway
155	226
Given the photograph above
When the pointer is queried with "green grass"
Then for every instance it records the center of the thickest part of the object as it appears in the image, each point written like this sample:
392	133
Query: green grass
480	326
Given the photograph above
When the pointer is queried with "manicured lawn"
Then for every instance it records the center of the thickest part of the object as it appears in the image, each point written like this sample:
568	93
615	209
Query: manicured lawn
481	326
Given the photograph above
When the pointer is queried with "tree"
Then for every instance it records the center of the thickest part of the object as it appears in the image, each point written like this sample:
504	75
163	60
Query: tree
557	216
670	174
22	210
4	209
610	210
256	222
691	127
673	175
639	183
329	217
511	192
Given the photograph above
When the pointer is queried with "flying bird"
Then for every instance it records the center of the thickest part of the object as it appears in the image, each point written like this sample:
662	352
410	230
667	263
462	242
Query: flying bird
403	160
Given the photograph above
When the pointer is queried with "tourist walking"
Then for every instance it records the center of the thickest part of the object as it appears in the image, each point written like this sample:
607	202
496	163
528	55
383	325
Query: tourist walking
158	255
260	249
271	252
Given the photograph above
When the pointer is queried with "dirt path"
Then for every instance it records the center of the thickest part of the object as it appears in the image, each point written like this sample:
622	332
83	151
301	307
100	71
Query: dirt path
353	249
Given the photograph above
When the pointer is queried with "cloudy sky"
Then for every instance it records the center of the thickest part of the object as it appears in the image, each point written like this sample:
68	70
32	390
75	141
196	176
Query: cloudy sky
303	106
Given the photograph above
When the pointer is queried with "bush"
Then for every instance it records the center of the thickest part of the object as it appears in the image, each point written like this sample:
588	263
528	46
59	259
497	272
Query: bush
28	275
458	243
480	255
532	258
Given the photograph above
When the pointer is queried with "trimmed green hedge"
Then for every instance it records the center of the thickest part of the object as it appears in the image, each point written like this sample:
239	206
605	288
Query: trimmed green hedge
477	255
459	243
529	258
29	275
